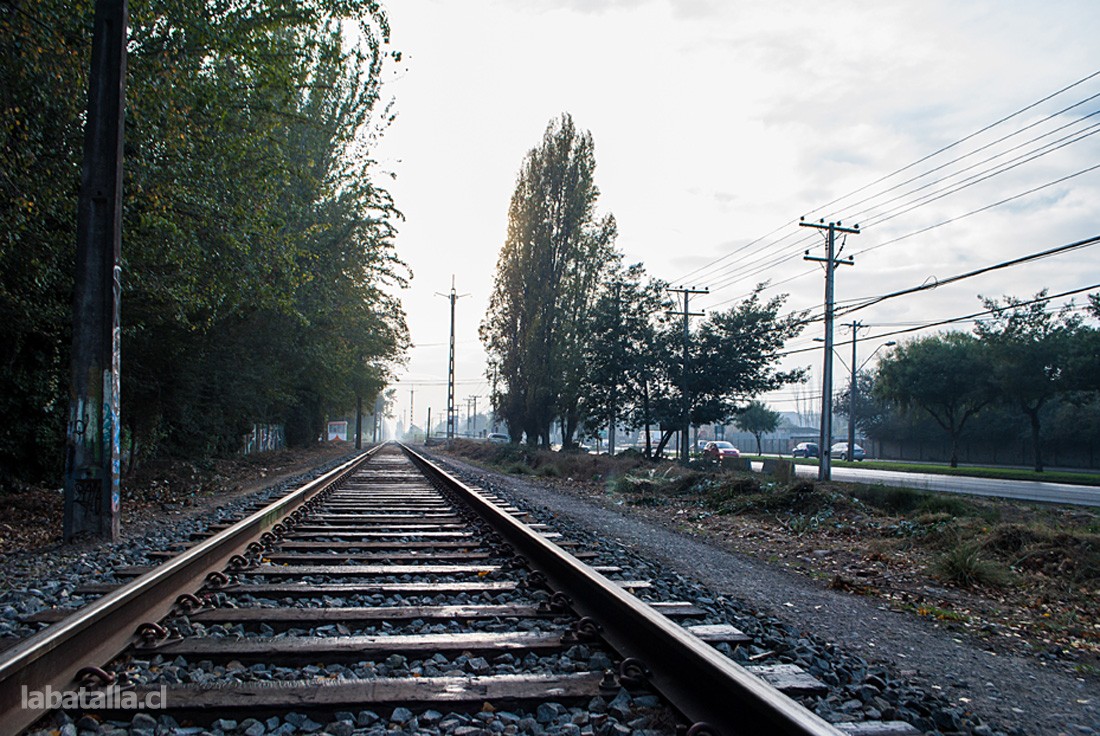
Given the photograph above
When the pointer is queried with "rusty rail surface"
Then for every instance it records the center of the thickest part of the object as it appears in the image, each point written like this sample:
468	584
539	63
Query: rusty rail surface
714	692
103	629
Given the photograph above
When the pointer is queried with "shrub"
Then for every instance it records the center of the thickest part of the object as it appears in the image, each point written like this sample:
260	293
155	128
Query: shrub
965	566
892	500
1071	556
518	468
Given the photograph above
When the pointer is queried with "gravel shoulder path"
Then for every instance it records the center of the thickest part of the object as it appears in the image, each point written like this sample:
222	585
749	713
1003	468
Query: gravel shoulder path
1013	692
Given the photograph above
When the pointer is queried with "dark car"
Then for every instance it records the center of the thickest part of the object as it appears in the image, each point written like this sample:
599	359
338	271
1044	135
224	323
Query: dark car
719	449
806	449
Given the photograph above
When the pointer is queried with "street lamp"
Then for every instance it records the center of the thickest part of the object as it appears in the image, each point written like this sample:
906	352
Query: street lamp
853	386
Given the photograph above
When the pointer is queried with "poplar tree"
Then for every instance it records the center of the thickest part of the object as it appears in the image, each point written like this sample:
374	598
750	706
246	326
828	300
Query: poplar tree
554	254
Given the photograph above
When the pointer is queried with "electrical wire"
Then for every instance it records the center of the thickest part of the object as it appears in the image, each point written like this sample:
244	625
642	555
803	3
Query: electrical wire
962	140
970	274
973	317
765	250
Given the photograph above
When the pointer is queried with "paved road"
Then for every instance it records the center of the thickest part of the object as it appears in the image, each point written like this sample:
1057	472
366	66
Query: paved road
1024	490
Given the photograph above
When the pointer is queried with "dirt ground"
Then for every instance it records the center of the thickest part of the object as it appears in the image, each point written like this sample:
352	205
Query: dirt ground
33	516
1036	612
1044	601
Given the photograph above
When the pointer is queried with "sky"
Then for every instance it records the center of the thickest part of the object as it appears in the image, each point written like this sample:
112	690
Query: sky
718	124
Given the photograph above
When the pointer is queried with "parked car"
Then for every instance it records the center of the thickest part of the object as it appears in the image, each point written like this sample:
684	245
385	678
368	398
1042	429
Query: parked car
806	449
719	449
839	451
498	438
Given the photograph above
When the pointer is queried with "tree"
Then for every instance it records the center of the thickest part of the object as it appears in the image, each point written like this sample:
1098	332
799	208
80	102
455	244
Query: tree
554	255
946	375
733	357
1033	352
757	418
257	257
44	48
620	355
872	412
255	215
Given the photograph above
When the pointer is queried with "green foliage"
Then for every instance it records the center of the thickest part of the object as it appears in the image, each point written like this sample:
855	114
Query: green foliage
945	375
909	501
1073	555
554	255
44	49
622	352
257	249
1028	373
757	419
1035	356
732	356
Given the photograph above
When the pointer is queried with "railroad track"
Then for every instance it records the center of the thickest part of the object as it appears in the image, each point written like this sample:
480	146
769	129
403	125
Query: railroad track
388	594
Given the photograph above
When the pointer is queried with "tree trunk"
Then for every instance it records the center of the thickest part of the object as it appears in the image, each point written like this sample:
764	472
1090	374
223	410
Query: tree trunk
568	430
666	435
1033	415
759	451
955	449
645	413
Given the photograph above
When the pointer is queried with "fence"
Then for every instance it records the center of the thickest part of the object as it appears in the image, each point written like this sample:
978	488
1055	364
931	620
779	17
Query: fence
264	438
1019	452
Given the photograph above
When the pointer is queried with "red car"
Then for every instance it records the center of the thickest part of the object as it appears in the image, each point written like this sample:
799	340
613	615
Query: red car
719	449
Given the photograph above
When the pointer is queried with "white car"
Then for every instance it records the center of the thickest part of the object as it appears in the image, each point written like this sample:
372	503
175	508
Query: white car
839	451
498	438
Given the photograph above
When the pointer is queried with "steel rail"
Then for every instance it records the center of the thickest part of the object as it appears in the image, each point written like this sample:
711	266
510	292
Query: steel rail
717	694
103	629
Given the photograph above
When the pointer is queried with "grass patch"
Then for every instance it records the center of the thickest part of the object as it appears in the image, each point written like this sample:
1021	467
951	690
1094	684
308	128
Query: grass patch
942	614
1073	556
906	501
518	468
510	457
965	566
1085	478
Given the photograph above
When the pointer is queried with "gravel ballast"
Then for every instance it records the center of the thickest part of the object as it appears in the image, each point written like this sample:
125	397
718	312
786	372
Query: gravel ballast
880	663
1000	693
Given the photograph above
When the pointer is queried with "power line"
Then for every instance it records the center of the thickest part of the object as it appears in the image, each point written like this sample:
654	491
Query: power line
953	320
765	251
998	203
978	272
923	230
986	146
970	181
735	277
962	140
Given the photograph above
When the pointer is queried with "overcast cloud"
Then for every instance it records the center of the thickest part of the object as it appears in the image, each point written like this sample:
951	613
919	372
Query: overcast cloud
716	123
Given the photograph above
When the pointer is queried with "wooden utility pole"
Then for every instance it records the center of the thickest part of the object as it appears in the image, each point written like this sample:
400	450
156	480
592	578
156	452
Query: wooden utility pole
91	501
685	430
831	261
